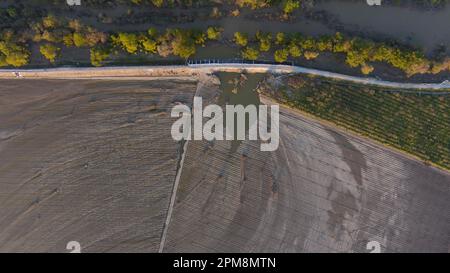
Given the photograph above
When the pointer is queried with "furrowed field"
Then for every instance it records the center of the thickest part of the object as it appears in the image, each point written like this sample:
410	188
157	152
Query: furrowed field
416	122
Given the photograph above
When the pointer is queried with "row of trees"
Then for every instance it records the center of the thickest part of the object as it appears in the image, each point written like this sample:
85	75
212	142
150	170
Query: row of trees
359	52
156	3
72	33
288	6
178	42
52	33
13	52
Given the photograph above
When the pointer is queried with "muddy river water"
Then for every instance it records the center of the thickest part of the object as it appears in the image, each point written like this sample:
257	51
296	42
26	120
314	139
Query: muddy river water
426	29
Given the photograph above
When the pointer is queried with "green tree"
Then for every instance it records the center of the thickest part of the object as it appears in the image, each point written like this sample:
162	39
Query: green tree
250	53
308	43
366	69
340	44
164	46
128	41
148	44
12	12
50	52
75	25
50	36
213	33
183	43
290	5
68	40
253	4
354	59
3	60
280	38
325	43
438	67
17	58
50	21
309	55
265	40
94	37
79	40
98	56
199	38
152	32
281	55
158	3
240	38
294	50
13	54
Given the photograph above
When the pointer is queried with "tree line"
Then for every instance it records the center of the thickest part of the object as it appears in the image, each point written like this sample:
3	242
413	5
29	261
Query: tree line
361	53
51	34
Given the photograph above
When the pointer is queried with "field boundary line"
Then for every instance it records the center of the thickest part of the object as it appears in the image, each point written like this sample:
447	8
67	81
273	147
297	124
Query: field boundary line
194	67
328	123
172	199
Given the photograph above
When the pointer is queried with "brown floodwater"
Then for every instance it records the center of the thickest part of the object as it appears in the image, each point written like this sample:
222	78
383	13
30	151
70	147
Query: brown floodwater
426	29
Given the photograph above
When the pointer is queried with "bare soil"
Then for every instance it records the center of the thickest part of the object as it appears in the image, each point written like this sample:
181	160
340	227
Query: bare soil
322	191
87	160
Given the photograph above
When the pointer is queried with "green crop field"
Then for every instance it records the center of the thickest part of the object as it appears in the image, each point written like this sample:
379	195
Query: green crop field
416	122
